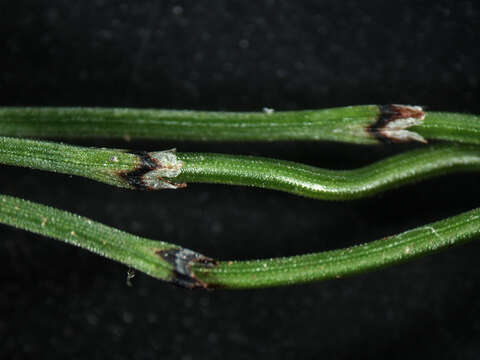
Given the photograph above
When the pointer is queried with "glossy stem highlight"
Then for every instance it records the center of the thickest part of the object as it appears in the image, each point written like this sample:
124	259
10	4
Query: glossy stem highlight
192	270
363	124
170	170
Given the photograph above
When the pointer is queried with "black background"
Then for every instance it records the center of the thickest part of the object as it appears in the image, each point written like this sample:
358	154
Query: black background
57	301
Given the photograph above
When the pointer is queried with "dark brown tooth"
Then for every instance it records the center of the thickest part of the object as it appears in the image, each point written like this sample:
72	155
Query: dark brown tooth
155	171
392	122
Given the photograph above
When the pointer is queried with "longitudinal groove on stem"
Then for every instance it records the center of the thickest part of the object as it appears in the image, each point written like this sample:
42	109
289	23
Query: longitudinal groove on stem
190	269
168	169
363	124
370	124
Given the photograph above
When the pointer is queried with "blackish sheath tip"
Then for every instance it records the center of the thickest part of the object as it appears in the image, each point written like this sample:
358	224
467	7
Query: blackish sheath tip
136	178
182	261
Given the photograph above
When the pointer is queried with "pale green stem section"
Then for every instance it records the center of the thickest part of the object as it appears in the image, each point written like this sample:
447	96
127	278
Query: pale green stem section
340	124
142	254
99	164
317	183
82	232
344	262
108	166
455	127
343	124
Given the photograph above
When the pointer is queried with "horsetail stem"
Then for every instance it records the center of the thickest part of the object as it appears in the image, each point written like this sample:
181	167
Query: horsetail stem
190	269
170	170
365	124
141	170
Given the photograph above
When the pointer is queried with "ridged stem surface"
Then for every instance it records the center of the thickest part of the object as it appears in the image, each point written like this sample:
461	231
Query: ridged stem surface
344	124
125	169
143	254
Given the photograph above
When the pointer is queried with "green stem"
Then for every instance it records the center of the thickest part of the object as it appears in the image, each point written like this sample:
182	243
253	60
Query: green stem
132	170
167	169
192	270
366	124
455	127
325	184
344	262
82	232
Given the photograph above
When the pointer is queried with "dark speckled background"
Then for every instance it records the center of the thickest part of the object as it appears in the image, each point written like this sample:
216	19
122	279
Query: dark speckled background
59	302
